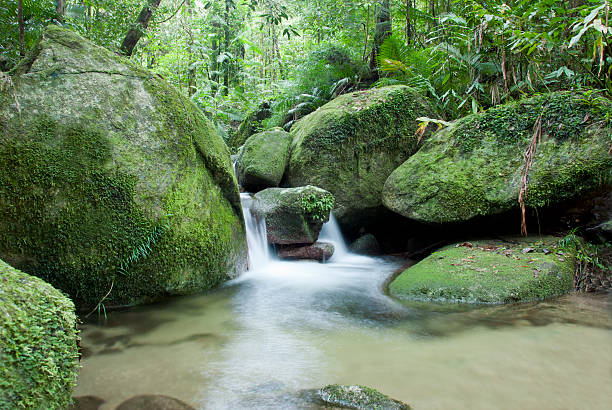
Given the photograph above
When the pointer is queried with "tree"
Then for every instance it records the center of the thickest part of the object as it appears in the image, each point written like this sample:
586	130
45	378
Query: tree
134	34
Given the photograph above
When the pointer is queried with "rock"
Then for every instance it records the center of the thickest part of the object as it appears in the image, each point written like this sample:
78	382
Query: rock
318	251
153	402
263	160
359	397
489	272
351	145
366	245
473	167
86	403
293	215
250	125
115	180
38	352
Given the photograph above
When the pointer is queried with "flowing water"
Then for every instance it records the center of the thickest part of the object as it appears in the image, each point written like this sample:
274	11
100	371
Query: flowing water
283	327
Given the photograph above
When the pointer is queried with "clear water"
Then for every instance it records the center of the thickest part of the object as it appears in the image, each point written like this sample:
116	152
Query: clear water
287	326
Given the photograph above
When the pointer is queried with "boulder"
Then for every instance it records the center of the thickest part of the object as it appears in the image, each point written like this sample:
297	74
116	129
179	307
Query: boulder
250	125
359	397
366	244
116	180
293	215
473	167
350	145
263	160
38	353
493	271
318	251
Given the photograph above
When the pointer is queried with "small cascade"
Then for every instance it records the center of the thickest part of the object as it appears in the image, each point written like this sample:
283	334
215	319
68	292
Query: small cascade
331	233
259	251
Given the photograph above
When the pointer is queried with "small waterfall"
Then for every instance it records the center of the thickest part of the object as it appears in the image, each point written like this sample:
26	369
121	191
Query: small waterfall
259	251
331	233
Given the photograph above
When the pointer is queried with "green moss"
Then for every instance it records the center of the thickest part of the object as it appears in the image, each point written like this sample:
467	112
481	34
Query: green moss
359	397
473	167
488	272
350	146
128	187
38	353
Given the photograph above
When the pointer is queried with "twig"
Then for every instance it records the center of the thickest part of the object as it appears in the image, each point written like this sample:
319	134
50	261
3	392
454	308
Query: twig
101	300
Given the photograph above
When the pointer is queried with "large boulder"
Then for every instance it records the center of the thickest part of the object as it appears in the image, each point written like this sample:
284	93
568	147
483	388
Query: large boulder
351	145
473	167
111	179
293	215
263	160
491	271
38	352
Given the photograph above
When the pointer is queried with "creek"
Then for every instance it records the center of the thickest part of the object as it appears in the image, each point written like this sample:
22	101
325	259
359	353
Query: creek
283	327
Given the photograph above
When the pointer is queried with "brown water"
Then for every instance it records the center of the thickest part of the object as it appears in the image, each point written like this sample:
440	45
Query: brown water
291	326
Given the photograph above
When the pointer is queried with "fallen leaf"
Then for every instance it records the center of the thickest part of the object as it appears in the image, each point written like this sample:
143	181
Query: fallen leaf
527	250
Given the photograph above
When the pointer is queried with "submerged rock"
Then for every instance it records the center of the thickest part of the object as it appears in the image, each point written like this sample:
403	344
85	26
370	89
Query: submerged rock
492	271
359	397
153	402
38	350
116	180
366	245
473	167
263	160
351	145
293	215
318	251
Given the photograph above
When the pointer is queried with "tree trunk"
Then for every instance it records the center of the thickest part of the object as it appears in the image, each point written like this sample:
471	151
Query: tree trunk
382	31
134	35
191	74
21	28
60	9
226	44
408	26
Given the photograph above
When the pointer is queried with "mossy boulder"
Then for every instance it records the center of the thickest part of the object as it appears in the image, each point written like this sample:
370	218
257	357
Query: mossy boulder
366	244
249	126
473	167
359	397
263	160
492	272
351	145
293	215
112	179
38	349
318	251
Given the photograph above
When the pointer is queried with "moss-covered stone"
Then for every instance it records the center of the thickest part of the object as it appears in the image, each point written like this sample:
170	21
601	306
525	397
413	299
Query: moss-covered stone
110	178
38	348
359	397
493	271
351	145
263	160
250	126
293	215
474	167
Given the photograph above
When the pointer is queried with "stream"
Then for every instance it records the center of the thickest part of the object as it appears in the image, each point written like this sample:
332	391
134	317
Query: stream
282	327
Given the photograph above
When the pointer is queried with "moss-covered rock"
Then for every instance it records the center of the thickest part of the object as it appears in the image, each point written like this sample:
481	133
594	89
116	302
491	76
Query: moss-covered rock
110	178
250	126
488	272
263	160
38	348
359	397
474	167
351	145
293	215
366	244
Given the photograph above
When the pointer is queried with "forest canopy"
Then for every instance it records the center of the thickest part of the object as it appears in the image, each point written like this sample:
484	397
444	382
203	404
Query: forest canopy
232	56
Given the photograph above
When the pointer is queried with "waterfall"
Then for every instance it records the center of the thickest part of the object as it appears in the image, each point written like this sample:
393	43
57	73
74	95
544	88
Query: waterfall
259	251
331	233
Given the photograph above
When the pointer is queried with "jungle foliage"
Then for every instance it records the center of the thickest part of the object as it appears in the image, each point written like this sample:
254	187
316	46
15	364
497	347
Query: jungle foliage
230	56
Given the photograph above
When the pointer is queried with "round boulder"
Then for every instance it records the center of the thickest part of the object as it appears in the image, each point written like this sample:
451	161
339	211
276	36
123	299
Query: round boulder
118	185
263	160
